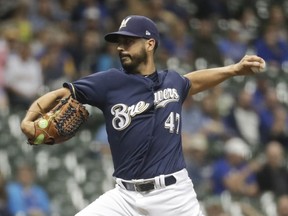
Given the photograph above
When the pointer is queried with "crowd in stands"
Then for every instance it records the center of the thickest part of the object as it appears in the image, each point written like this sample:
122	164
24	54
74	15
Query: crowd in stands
235	136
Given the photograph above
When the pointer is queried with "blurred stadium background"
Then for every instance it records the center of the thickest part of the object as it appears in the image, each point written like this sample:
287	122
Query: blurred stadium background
64	39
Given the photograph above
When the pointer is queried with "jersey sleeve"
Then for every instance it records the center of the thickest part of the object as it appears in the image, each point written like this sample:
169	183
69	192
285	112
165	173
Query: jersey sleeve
90	89
186	87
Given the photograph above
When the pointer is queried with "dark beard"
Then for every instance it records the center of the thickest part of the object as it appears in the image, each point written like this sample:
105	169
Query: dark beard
136	60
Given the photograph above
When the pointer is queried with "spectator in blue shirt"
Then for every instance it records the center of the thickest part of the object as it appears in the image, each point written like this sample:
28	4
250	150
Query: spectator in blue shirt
232	172
25	197
3	197
271	47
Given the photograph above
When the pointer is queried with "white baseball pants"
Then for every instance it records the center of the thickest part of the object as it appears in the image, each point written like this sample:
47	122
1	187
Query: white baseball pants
177	199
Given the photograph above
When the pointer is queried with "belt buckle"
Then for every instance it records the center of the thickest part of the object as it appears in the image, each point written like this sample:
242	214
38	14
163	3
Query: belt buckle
137	186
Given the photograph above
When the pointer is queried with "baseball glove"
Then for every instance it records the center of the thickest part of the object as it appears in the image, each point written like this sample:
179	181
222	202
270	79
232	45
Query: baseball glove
59	124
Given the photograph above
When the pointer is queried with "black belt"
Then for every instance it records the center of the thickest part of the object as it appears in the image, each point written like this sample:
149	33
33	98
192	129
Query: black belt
146	186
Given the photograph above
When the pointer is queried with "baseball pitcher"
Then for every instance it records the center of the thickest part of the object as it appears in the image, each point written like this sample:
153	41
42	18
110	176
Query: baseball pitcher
142	109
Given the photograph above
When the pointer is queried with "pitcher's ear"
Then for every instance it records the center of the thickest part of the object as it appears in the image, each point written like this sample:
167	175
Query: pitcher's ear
150	44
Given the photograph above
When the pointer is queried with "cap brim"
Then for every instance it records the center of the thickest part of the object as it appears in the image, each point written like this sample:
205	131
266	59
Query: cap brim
114	36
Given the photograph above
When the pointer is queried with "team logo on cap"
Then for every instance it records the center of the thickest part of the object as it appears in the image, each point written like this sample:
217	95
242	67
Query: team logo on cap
124	22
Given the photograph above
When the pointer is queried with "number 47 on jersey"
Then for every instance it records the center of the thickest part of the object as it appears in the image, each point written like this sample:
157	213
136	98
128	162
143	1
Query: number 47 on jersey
172	122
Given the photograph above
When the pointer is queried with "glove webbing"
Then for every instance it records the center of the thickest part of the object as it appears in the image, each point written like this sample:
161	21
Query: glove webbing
69	122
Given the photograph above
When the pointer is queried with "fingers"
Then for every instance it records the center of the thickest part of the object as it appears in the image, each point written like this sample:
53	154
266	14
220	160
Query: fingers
28	128
251	64
253	61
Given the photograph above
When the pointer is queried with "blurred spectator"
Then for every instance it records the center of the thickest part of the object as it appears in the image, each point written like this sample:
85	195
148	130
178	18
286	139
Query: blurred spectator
89	15
23	77
91	19
202	117
44	13
3	197
179	9
282	205
90	51
192	117
271	47
224	100
231	46
273	175
84	7
267	114
243	121
108	58
156	10
179	43
232	172
278	19
195	148
21	21
4	52
26	197
213	126
263	84
11	36
213	9
279	128
65	9
206	51
56	62
249	24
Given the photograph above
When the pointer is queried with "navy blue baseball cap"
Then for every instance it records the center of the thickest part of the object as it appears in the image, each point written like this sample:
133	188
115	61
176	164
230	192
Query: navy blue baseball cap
135	26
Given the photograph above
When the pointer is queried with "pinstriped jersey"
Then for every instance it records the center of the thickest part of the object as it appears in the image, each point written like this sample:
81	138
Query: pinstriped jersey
142	116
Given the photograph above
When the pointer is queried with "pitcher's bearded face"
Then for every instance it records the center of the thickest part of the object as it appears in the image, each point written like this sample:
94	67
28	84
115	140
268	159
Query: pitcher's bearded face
132	53
131	62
